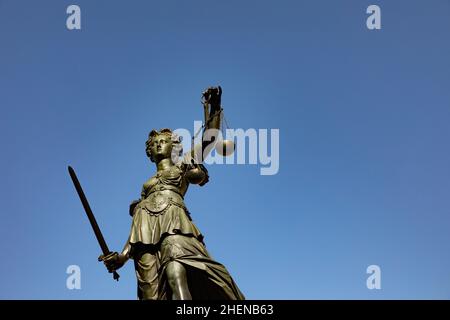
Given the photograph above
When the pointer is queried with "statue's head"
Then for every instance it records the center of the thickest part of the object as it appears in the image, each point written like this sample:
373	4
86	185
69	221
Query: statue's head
163	144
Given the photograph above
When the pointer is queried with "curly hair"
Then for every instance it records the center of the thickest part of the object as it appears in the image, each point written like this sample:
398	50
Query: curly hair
177	147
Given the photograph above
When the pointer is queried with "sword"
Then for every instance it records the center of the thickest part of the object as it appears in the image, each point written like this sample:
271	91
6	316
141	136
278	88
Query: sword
90	215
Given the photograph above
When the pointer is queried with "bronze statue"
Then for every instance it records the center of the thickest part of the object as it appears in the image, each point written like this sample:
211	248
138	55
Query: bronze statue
169	254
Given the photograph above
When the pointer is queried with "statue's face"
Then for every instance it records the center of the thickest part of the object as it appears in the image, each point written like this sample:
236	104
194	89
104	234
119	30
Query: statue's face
161	147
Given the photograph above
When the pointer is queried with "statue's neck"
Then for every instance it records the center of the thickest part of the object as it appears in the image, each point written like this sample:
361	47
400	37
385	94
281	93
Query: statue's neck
164	164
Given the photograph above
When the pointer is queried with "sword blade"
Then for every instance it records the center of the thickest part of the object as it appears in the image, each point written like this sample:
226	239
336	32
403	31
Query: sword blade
89	213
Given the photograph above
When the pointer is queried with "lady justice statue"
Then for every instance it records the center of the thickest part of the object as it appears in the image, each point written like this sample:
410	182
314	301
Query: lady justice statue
169	254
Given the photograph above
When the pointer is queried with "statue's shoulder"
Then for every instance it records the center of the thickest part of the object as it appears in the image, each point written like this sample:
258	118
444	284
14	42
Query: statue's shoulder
150	182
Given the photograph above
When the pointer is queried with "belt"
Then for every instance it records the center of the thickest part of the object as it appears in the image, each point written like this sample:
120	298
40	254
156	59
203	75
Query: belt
163	188
157	203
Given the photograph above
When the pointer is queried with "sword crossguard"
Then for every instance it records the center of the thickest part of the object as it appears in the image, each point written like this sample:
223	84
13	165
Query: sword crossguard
102	257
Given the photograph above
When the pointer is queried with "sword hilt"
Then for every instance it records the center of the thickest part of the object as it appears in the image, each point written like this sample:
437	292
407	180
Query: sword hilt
102	257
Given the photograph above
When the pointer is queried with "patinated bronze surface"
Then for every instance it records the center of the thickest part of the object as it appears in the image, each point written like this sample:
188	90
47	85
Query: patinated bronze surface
169	254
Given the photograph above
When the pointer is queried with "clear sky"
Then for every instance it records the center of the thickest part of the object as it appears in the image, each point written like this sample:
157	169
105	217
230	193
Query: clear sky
364	175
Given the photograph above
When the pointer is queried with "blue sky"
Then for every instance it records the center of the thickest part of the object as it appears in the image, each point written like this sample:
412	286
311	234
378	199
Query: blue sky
363	117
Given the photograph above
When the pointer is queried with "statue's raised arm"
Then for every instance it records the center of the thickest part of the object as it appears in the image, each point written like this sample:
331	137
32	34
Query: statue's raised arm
211	100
